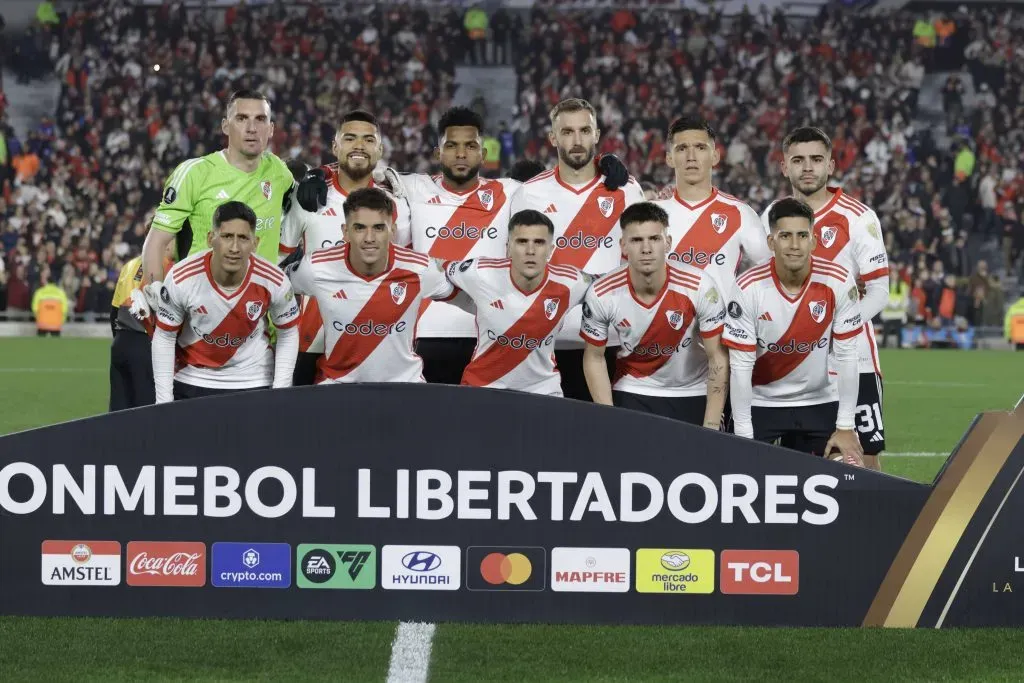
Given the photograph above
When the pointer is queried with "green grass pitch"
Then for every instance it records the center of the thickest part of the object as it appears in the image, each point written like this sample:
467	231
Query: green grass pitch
930	399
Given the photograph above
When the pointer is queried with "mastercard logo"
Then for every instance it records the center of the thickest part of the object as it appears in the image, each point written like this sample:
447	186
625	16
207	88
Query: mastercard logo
499	568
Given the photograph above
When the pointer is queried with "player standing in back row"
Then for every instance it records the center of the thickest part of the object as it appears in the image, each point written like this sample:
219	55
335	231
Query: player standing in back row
244	171
847	233
584	203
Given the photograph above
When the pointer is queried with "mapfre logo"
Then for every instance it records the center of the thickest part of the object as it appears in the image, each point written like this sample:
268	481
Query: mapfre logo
155	563
760	572
590	570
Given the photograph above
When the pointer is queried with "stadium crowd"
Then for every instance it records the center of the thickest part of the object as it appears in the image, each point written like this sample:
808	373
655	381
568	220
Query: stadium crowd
143	87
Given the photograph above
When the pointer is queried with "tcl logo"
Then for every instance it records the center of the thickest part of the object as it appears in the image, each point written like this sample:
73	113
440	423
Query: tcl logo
760	572
581	240
166	564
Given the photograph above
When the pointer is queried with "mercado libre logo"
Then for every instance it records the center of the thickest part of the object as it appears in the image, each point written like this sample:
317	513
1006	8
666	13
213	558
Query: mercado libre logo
506	568
668	570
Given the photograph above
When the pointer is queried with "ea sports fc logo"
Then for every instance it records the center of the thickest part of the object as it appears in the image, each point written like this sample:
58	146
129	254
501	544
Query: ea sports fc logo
498	568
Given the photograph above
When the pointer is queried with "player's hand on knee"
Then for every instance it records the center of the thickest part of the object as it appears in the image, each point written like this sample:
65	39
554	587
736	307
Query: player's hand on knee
846	442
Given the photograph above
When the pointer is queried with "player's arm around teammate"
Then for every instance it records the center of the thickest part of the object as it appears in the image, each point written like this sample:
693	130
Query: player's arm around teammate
213	313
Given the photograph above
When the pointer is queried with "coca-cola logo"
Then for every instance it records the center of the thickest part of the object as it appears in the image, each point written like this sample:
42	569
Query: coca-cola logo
166	563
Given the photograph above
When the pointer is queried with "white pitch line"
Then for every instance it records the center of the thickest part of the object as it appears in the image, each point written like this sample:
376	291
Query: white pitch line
29	370
914	454
917	383
410	652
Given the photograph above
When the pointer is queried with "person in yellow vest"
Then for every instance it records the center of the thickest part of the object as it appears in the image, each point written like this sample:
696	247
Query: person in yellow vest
50	307
492	156
1013	326
131	365
894	315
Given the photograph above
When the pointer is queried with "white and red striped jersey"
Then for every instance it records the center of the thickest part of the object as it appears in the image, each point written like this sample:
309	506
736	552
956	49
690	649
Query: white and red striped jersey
323	230
848	233
659	354
791	333
516	329
454	226
369	322
223	339
587	230
720	235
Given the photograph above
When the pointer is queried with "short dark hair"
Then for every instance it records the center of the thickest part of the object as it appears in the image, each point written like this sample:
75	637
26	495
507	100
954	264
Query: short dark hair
233	210
684	123
806	134
359	115
245	94
524	169
459	116
530	217
643	212
371	198
790	207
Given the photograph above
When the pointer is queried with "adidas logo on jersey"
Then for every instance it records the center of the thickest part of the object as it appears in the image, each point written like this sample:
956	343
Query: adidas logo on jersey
766	316
223	195
624	323
340	294
434	200
201	310
551	209
329	212
497	304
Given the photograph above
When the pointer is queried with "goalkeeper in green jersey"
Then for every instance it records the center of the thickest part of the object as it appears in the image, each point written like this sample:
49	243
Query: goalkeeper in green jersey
245	171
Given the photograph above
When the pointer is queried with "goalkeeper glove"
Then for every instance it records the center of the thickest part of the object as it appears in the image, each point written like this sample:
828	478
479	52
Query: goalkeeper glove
615	172
312	191
389	178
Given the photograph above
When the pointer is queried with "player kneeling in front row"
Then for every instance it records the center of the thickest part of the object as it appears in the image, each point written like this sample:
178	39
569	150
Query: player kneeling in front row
521	302
781	320
662	311
212	318
369	293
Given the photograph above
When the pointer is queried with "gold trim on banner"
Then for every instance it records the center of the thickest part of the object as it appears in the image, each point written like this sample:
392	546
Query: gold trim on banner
915	571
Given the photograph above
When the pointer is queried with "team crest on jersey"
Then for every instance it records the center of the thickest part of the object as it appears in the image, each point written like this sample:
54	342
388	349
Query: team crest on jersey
719	222
606	205
398	290
818	310
675	319
253	309
551	308
486	198
266	187
828	236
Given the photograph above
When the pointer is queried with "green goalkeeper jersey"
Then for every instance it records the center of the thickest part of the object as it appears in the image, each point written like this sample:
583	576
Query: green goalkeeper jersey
198	186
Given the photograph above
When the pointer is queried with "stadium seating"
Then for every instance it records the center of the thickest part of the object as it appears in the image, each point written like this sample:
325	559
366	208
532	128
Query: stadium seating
141	89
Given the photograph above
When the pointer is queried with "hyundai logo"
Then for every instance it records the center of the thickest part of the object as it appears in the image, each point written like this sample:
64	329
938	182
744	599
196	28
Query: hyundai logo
421	561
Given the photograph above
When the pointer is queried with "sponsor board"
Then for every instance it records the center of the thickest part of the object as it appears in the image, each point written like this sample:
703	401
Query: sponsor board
760	572
166	563
332	565
421	567
590	570
675	570
81	563
506	568
251	565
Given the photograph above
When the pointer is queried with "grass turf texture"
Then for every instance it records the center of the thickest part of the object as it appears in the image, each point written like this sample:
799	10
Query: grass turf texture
930	399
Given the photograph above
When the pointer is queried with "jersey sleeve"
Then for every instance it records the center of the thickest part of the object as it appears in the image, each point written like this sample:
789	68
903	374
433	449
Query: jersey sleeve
463	274
293	226
300	274
753	238
709	307
869	248
594	326
170	315
434	284
764	220
403	222
284	307
740	331
579	289
178	199
634	192
847	321
418	187
520	200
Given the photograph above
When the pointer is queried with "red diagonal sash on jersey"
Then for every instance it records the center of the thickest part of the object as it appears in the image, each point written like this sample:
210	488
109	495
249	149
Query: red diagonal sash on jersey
774	365
704	237
832	233
589	227
659	335
472	214
497	361
215	349
309	324
352	349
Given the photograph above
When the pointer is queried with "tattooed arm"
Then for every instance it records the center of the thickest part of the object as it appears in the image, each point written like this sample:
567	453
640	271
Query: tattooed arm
718	381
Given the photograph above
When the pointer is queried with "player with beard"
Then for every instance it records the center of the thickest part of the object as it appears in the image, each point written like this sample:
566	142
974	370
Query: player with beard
584	203
358	148
849	234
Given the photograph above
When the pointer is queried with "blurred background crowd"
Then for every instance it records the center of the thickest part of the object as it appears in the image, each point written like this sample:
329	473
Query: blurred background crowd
924	108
